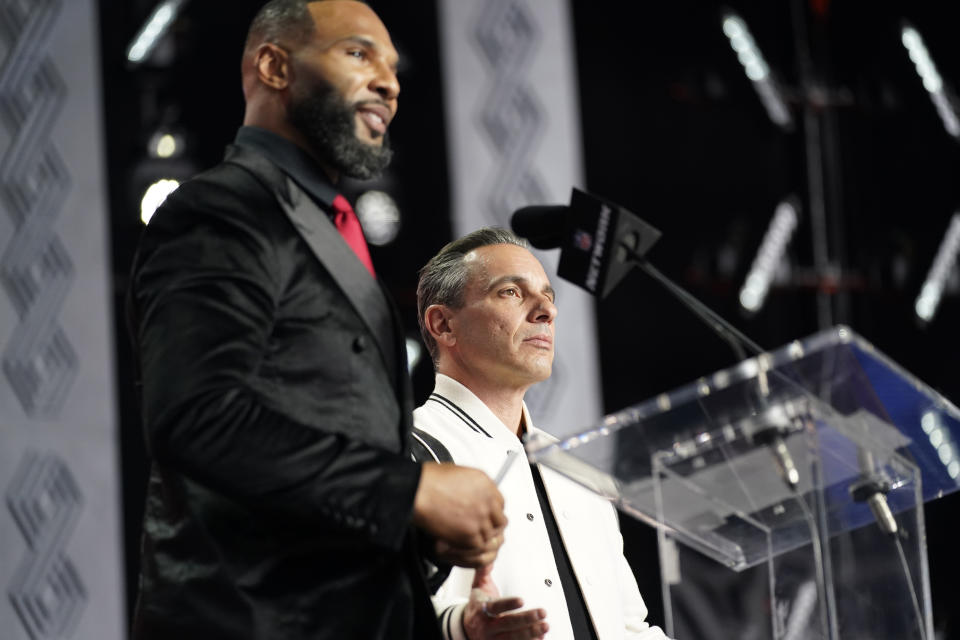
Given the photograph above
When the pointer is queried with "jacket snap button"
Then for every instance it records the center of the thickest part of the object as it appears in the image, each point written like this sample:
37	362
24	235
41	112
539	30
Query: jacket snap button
548	582
530	517
359	344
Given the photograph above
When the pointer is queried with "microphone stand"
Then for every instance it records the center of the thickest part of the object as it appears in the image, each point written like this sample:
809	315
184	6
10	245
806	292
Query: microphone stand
727	332
771	435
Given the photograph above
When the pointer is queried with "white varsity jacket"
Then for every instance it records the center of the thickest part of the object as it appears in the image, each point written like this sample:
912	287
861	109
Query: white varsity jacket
525	566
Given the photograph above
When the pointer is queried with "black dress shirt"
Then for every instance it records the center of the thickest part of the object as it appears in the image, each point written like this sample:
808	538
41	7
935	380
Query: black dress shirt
293	161
576	605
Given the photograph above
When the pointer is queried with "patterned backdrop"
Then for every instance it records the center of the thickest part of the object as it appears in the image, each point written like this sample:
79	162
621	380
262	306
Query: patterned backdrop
514	135
59	531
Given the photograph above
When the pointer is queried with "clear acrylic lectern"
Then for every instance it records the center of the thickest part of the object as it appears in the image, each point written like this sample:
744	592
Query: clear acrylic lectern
766	482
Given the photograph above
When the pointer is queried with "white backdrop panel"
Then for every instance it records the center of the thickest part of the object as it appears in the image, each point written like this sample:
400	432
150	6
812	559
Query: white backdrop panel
514	136
60	543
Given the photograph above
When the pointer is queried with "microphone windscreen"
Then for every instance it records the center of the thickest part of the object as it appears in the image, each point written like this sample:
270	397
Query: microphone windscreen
542	225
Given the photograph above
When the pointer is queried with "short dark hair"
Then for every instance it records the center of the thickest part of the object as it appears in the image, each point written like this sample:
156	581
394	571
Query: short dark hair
444	279
280	21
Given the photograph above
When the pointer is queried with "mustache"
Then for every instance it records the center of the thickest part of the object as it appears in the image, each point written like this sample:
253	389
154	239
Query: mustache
364	103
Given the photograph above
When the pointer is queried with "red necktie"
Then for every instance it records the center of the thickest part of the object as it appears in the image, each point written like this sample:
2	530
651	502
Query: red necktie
349	227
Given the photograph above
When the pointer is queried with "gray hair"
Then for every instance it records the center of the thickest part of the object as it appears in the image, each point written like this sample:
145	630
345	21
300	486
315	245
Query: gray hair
444	279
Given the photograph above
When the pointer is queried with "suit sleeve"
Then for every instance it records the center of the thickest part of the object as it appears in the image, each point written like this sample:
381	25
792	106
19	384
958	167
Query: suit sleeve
203	297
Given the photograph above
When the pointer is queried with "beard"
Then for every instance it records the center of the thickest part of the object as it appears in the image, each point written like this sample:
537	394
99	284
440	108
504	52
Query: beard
328	123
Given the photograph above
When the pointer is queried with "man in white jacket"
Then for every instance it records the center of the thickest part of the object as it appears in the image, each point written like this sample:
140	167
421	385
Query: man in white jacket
487	312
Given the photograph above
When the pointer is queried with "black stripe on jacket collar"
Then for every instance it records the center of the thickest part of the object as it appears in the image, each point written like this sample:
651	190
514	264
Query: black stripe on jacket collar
460	413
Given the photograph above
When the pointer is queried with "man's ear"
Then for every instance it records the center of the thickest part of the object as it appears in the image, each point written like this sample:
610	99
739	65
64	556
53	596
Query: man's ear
437	319
273	65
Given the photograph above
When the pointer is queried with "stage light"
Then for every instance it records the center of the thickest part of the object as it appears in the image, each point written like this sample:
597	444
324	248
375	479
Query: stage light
946	453
166	144
941	440
153	30
380	217
932	80
764	267
154	196
757	69
936	437
932	290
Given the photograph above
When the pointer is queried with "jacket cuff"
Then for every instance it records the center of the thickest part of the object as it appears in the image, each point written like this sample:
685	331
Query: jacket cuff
388	525
435	571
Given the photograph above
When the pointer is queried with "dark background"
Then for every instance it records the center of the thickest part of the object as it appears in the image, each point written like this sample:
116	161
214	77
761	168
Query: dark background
672	130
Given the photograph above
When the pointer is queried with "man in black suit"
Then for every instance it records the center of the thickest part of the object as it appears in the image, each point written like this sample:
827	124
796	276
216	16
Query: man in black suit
282	502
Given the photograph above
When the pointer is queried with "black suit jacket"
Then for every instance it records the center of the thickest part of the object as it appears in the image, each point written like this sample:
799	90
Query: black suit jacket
277	410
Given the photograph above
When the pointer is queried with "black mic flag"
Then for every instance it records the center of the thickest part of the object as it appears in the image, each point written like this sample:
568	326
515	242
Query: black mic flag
599	241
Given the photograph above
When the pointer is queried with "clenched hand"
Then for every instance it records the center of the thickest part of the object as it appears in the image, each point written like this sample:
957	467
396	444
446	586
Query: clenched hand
463	510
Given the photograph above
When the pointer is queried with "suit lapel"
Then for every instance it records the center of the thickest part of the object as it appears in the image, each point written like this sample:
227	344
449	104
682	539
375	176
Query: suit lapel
354	280
327	245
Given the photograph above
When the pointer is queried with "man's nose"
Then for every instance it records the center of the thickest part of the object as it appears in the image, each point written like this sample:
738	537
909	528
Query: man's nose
545	311
385	82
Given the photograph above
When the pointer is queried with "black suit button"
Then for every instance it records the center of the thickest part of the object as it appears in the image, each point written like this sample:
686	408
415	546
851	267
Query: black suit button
359	344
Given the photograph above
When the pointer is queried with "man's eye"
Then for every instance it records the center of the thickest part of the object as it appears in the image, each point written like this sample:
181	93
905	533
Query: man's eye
357	53
510	292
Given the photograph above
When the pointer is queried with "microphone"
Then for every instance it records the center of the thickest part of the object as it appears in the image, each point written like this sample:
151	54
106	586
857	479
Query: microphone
770	427
600	242
873	488
543	225
874	493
